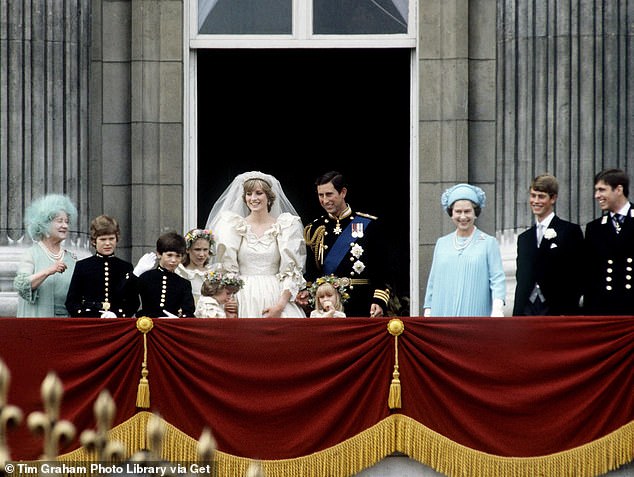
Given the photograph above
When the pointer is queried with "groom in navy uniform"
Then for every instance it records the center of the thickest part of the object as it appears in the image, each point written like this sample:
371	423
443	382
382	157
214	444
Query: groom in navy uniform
548	256
609	248
345	244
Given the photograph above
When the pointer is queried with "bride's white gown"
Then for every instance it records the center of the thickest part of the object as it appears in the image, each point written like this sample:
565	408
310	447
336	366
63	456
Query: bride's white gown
268	264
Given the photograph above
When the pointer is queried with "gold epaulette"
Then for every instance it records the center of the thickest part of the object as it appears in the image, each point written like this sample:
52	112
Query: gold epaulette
367	216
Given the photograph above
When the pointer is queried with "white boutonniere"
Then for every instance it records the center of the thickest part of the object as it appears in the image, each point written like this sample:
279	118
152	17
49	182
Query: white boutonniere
550	234
356	250
358	266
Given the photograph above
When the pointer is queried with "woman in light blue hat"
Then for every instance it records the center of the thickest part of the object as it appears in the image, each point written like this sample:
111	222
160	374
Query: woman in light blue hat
467	276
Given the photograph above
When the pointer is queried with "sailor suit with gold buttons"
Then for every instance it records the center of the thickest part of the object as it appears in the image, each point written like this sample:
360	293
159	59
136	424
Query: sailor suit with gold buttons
347	247
165	294
102	283
609	253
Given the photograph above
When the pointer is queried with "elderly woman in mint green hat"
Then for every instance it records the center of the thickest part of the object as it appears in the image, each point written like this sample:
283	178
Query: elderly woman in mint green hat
467	276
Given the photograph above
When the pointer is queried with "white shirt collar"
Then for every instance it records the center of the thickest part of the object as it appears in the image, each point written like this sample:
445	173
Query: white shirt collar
546	222
623	211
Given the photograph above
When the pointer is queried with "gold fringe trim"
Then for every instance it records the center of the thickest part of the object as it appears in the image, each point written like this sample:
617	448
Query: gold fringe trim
144	325
395	434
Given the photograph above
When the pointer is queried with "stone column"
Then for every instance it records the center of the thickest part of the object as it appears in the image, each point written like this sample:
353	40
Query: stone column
457	113
44	48
565	101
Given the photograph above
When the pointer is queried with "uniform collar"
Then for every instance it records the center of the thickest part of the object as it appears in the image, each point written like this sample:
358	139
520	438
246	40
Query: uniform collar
346	213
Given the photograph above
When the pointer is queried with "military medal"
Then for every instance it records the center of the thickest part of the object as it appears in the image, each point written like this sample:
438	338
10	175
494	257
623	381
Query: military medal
337	230
357	229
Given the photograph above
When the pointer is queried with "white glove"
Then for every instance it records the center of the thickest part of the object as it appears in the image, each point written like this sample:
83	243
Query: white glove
108	314
426	312
169	315
145	263
498	308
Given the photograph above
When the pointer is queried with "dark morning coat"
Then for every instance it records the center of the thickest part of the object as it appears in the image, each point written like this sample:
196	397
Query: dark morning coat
609	259
555	266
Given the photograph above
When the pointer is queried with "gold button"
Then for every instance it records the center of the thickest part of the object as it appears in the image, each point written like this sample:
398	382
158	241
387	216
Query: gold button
609	270
608	287
610	262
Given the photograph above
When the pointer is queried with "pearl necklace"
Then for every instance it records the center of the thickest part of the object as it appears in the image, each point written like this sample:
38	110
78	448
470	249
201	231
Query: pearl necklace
461	246
55	257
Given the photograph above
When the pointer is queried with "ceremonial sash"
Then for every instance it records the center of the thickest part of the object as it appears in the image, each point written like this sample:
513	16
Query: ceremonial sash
342	245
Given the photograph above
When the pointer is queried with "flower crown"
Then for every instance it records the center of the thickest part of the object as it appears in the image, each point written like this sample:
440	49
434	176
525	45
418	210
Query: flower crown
226	279
339	284
195	234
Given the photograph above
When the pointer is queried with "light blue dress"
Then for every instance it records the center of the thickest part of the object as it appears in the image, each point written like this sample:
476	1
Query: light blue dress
465	282
49	299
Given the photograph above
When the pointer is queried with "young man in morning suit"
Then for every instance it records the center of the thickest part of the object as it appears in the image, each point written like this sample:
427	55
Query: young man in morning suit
548	257
609	248
344	243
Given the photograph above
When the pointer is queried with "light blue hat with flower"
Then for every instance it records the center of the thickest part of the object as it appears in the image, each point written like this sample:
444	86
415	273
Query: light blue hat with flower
462	192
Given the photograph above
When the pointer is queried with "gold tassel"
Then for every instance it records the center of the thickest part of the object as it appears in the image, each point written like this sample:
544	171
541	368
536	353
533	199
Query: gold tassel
394	399
395	328
144	325
143	391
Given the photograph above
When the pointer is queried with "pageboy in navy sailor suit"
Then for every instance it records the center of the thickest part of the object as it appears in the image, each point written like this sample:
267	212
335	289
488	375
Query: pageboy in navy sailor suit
609	248
344	243
548	273
103	285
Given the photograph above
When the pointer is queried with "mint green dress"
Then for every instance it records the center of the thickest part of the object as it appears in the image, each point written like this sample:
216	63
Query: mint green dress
47	300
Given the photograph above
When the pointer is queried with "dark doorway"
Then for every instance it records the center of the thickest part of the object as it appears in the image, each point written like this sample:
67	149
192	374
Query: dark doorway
296	113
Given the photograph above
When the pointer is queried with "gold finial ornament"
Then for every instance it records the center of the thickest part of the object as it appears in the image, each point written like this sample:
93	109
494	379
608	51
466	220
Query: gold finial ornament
395	327
155	434
9	415
255	470
47	423
206	446
97	441
144	324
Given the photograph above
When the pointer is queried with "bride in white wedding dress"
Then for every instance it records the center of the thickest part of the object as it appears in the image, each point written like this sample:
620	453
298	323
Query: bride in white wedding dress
260	236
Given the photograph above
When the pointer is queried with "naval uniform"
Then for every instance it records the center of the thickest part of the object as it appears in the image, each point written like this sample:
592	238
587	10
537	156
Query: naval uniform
162	290
102	283
609	280
348	247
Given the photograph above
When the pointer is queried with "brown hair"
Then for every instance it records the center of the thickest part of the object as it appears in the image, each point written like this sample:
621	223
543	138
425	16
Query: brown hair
546	183
103	225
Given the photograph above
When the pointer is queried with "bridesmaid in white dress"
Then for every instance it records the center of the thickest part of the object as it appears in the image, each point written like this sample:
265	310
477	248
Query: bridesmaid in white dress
196	263
260	236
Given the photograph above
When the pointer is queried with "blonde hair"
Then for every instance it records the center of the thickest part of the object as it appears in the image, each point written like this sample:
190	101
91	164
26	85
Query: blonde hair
321	291
252	184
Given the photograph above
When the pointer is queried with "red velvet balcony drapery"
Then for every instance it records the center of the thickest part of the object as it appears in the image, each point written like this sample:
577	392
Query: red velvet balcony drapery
285	388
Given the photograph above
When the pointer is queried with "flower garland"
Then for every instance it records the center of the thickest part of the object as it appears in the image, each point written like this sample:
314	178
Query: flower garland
339	284
226	279
195	234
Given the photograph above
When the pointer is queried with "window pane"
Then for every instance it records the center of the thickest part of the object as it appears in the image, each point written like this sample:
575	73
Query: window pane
360	16
245	17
